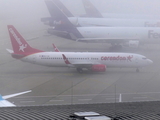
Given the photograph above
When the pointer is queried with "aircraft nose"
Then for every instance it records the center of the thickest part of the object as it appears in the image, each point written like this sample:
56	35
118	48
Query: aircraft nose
150	61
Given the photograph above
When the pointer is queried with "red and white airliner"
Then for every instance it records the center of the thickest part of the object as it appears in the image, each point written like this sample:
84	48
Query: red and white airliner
93	61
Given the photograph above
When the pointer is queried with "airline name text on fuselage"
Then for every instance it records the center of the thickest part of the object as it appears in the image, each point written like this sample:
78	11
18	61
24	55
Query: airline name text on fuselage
111	58
153	34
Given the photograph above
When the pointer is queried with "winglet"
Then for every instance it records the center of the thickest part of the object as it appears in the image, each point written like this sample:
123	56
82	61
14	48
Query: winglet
55	48
65	59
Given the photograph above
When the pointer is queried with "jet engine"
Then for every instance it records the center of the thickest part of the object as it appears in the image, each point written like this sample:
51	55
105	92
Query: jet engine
74	20
132	44
98	68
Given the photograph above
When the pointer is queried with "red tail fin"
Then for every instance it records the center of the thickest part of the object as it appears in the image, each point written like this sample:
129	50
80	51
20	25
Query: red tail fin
20	46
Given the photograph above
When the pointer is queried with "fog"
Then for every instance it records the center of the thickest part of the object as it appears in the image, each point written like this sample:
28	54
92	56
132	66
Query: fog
26	16
27	13
37	8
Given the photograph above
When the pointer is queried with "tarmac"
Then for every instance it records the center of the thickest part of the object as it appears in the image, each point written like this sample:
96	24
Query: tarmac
64	86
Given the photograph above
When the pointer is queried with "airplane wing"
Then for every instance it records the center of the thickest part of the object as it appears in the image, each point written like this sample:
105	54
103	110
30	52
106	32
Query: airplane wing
16	94
105	40
78	64
6	103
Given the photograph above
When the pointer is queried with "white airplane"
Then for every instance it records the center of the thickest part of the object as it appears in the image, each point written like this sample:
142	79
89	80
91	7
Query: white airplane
86	21
92	11
90	60
6	103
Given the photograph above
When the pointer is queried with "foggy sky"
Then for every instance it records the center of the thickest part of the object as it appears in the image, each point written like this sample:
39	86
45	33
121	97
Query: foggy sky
37	8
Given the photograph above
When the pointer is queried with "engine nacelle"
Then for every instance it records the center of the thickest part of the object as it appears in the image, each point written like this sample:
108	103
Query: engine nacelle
73	20
132	44
98	68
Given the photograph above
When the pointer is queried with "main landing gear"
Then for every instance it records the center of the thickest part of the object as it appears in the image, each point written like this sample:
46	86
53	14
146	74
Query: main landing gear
79	70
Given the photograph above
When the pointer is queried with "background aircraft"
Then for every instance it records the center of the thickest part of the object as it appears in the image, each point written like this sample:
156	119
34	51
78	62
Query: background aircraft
94	21
117	36
92	11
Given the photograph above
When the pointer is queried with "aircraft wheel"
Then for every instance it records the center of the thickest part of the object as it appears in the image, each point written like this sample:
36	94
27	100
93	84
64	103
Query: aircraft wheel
137	70
79	70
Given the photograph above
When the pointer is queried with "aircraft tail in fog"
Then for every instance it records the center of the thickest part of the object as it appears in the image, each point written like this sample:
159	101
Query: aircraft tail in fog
90	9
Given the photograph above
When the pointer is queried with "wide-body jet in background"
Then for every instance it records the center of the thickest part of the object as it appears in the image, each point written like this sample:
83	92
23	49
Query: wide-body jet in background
92	11
92	20
117	36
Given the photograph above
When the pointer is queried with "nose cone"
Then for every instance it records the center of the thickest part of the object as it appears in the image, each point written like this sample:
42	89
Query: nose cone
149	61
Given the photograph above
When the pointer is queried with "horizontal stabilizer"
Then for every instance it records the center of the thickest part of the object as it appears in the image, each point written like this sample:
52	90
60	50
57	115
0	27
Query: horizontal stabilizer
10	51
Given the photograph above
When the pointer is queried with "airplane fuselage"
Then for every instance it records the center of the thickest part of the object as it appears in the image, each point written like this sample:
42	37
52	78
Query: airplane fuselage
55	59
142	34
90	60
113	22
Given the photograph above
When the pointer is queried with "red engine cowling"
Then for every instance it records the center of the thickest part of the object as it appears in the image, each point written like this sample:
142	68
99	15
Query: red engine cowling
98	68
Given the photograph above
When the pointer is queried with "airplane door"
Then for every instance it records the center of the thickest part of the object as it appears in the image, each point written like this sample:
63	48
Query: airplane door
34	59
